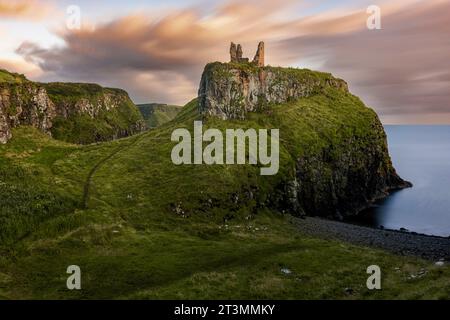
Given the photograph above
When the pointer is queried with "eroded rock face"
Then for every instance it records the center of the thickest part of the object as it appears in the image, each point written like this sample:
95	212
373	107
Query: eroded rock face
230	91
337	174
5	129
24	104
29	103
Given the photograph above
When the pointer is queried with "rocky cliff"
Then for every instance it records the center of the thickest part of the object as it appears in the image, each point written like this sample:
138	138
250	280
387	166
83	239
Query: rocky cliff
335	160
78	113
231	90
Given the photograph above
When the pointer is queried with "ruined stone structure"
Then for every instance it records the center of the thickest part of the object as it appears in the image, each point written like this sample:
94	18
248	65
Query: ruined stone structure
233	52
259	57
236	54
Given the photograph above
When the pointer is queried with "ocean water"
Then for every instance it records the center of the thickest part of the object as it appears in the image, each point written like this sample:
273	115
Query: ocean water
421	155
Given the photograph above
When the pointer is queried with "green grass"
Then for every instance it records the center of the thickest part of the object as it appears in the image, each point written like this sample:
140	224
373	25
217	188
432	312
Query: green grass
10	77
130	243
158	114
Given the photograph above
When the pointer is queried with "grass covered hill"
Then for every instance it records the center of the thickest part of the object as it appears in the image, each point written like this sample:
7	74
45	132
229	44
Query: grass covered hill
10	77
156	114
141	227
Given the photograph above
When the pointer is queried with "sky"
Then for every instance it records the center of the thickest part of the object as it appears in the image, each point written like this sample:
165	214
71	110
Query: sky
156	50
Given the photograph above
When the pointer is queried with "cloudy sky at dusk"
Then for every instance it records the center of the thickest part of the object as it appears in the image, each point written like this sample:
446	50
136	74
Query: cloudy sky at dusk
156	50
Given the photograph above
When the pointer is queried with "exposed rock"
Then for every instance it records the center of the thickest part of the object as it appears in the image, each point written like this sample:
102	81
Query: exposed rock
50	108
24	104
233	53
236	54
286	271
340	176
359	175
228	91
239	52
259	57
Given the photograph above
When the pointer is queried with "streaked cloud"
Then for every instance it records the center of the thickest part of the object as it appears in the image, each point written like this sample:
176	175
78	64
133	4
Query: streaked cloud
25	9
402	70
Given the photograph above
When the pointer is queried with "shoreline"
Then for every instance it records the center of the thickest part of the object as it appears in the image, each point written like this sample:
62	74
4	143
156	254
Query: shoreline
428	247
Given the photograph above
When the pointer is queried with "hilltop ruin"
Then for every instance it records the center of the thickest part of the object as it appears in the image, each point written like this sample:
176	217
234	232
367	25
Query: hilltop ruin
236	54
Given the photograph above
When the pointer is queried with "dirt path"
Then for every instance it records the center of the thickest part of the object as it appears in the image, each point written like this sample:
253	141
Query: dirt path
88	183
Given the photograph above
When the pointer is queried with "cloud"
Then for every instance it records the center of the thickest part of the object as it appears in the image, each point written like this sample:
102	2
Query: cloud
138	53
403	70
400	70
24	9
20	66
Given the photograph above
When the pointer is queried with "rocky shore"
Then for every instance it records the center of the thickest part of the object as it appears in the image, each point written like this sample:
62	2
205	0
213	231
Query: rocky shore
403	243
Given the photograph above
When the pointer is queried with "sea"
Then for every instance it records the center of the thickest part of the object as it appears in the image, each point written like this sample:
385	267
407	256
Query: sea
421	155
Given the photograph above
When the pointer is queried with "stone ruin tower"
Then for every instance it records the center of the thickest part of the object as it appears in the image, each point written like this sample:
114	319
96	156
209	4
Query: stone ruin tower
236	54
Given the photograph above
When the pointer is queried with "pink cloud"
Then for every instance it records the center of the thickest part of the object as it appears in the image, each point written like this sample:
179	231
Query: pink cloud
402	69
24	9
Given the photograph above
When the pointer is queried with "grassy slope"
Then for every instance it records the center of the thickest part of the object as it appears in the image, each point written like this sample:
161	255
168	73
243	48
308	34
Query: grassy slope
158	114
9	77
130	243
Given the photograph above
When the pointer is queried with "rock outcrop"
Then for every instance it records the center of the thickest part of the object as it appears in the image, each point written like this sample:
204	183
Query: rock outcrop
79	113
236	54
337	145
230	91
24	104
259	57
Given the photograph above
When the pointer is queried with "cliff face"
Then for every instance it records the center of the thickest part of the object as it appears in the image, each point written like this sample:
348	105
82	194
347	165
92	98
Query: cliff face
231	90
24	104
338	161
78	113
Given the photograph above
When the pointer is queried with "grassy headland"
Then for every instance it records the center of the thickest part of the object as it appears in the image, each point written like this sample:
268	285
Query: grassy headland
151	230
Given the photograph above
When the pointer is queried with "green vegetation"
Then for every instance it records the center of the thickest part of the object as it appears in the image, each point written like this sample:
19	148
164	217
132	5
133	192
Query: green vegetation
141	227
156	114
99	121
74	92
10	77
306	76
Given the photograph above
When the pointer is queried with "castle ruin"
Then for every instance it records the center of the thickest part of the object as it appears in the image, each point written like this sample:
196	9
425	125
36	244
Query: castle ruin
236	54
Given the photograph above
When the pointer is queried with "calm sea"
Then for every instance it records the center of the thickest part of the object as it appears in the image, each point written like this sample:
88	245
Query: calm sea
421	154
